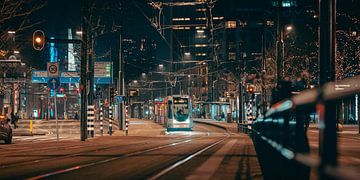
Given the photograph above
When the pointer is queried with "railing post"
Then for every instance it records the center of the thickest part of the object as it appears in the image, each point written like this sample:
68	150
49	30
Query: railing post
301	140
327	50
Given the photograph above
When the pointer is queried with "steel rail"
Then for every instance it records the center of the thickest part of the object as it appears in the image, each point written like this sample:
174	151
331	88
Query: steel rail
61	171
186	159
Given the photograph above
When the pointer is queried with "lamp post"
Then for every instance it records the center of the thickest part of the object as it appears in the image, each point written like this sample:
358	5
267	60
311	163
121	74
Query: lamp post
286	29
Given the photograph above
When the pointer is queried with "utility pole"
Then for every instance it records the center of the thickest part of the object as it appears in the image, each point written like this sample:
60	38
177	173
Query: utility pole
121	85
279	42
83	78
327	127
91	70
171	46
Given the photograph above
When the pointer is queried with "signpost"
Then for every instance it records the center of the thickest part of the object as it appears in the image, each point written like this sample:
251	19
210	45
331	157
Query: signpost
54	84
53	69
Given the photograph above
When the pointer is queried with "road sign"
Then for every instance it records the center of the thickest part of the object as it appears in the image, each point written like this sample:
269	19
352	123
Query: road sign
53	69
102	69
54	83
119	99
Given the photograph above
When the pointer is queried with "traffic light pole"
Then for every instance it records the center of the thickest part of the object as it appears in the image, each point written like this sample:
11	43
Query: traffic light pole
327	124
121	86
83	78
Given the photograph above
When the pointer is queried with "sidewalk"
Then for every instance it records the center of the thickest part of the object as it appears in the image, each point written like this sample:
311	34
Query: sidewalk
347	129
230	127
246	161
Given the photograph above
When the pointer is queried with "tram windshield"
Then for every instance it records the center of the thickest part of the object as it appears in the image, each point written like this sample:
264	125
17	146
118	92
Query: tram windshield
181	109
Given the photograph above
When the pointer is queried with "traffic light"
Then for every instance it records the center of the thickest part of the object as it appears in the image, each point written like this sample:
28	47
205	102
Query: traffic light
112	92
134	92
62	90
38	40
250	89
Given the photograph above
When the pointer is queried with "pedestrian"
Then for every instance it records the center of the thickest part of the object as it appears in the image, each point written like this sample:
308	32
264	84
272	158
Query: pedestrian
76	116
222	116
14	120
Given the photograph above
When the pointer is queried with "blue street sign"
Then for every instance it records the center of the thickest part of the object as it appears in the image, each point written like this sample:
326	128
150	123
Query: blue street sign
119	99
54	83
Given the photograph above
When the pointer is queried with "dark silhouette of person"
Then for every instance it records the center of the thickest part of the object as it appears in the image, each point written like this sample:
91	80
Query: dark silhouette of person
282	91
14	119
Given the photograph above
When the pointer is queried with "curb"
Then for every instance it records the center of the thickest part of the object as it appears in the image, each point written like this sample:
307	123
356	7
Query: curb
28	134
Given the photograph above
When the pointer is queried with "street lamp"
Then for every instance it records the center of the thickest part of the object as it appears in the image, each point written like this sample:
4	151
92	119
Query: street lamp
289	28
79	33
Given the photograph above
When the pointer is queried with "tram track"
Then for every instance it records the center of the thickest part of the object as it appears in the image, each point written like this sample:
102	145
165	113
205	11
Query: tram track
68	155
78	167
53	172
182	161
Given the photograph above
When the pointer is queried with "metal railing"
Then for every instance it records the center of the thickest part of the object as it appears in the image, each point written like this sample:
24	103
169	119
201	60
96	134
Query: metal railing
281	140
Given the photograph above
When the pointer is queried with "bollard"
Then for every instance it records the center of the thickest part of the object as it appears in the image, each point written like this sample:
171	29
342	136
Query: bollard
110	120
31	126
126	127
90	118
101	120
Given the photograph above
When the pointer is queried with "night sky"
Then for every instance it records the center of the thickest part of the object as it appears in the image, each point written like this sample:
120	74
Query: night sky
57	16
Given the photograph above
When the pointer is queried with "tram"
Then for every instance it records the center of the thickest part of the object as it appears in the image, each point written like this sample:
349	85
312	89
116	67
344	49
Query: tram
179	110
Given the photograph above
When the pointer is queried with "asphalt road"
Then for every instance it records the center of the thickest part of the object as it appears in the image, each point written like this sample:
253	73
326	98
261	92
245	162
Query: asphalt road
206	152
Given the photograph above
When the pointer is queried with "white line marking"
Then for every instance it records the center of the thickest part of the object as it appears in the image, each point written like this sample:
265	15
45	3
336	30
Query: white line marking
209	167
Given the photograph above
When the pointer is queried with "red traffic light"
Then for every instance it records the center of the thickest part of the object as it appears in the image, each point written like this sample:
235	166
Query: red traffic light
250	89
38	40
61	90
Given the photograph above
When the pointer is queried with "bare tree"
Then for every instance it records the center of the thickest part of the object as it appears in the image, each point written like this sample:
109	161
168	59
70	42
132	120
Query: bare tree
15	18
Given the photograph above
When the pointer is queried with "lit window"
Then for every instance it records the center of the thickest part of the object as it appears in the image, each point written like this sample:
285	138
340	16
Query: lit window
232	56
200	36
218	18
181	19
269	23
178	27
200	31
201	10
201	19
201	45
200	54
181	27
200	27
230	25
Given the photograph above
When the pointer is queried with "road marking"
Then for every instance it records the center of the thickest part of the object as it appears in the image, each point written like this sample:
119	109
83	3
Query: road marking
209	167
106	160
181	162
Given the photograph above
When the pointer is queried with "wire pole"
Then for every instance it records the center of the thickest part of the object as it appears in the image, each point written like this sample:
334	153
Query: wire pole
327	124
83	78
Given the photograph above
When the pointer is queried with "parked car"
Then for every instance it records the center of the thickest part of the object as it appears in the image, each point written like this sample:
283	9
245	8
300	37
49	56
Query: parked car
5	130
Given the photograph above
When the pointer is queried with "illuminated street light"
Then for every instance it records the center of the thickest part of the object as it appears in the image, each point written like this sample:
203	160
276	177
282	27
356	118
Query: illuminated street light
289	28
161	66
187	53
79	32
11	32
16	52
